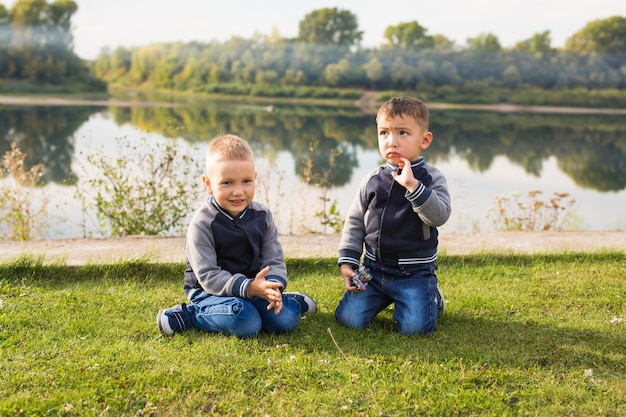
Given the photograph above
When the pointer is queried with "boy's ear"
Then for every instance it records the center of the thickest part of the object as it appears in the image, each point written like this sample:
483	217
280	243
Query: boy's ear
428	138
207	183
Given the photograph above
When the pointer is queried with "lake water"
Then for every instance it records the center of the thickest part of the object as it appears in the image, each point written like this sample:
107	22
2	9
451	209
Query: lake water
484	155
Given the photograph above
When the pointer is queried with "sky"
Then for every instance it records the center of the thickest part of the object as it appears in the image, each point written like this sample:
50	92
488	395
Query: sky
129	23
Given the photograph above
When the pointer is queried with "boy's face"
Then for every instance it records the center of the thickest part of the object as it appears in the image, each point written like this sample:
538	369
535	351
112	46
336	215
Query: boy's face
232	183
401	137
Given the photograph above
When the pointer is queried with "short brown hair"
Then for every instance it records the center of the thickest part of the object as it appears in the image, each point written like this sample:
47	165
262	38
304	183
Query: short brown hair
404	107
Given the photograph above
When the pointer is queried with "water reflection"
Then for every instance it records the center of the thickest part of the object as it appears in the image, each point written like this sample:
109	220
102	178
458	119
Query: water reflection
44	134
591	149
314	135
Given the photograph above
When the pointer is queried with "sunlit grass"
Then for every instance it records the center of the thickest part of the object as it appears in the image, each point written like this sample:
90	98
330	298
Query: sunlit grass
522	335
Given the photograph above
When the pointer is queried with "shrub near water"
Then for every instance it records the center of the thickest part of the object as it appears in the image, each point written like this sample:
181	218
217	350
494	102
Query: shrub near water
522	335
149	192
22	212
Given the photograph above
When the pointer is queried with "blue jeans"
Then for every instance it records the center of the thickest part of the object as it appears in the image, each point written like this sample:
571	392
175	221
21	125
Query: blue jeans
412	289
239	316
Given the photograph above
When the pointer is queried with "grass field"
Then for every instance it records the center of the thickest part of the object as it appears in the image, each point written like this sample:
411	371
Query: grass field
522	335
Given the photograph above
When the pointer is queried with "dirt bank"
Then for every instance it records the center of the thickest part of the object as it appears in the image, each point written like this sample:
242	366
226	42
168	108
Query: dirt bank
81	251
367	103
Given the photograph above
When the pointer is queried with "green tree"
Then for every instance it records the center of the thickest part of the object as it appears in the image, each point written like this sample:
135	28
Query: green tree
401	73
449	74
39	24
121	60
408	35
336	73
604	36
60	15
294	77
539	43
442	43
4	15
511	76
373	70
267	77
36	44
26	16
216	74
486	42
330	26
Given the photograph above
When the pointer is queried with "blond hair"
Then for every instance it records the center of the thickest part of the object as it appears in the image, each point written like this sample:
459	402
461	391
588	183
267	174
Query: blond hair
228	148
404	107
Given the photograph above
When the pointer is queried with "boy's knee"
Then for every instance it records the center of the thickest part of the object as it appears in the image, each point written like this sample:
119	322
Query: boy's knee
284	322
408	329
246	321
246	330
350	320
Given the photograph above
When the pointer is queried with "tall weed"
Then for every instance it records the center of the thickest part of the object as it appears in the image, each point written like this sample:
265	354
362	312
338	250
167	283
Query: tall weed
22	211
527	212
142	193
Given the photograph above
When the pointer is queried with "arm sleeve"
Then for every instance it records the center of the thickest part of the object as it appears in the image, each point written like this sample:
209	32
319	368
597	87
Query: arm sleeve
432	203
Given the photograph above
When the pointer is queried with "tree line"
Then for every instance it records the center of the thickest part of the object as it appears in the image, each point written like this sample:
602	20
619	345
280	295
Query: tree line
327	60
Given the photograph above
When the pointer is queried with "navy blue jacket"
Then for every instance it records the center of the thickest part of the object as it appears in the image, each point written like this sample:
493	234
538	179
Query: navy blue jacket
224	253
395	227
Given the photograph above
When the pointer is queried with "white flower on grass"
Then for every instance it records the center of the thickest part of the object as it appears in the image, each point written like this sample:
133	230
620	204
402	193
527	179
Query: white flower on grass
614	320
588	374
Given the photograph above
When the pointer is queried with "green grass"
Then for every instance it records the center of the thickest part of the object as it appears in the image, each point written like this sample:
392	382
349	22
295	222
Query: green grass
522	335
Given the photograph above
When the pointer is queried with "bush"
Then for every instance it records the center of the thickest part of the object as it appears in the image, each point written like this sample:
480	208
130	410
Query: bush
147	193
23	217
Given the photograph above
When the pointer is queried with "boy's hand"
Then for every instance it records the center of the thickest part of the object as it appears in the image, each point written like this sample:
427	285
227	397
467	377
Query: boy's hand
405	178
267	290
347	273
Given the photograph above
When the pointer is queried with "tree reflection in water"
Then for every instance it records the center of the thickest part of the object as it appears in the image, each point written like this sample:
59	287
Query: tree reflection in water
589	149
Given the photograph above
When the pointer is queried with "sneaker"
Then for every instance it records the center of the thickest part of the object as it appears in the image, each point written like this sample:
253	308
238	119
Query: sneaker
441	302
174	320
307	304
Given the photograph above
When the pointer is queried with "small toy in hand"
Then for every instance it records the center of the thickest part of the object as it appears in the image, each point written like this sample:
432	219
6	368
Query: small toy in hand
361	278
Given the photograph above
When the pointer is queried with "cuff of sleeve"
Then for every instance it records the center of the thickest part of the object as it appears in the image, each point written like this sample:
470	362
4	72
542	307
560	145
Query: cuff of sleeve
240	289
275	278
418	196
349	257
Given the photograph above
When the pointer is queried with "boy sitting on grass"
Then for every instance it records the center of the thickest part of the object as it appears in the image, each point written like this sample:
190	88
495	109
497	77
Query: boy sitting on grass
236	271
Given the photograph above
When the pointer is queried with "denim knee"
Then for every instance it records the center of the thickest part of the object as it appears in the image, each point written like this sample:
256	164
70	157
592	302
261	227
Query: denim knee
411	328
284	322
230	316
246	322
346	318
